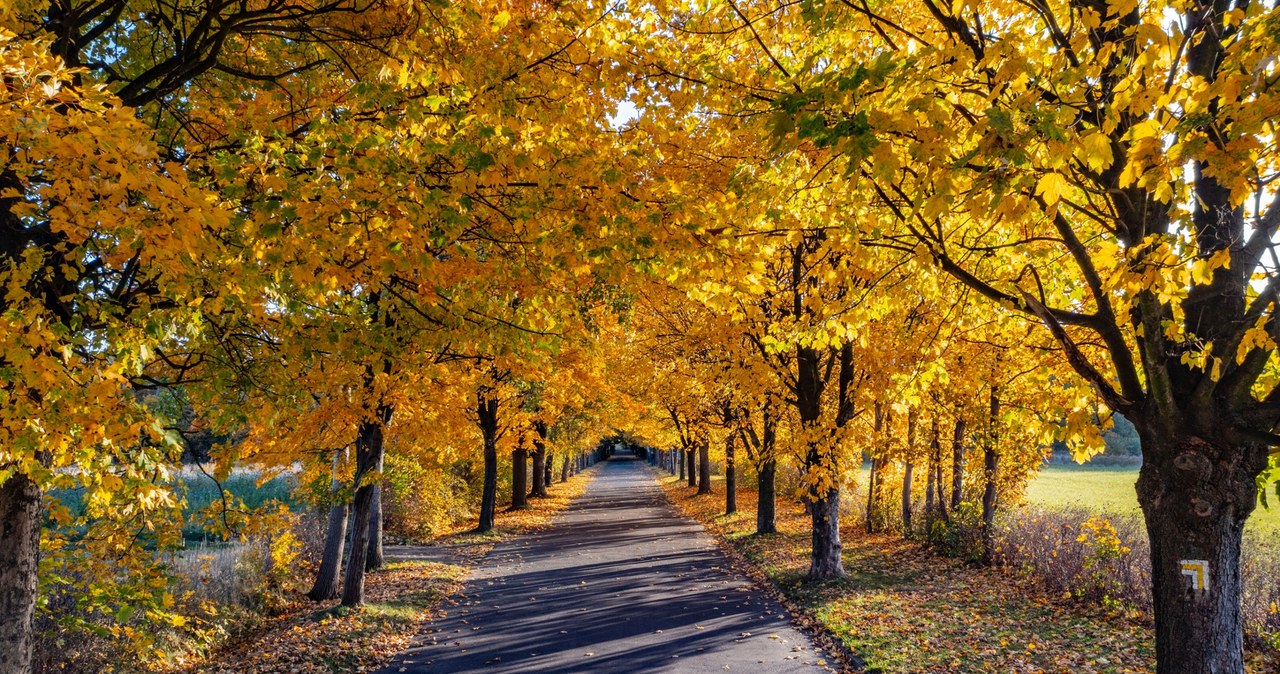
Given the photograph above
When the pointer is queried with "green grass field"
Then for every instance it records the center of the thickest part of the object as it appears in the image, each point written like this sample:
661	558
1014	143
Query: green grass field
1110	490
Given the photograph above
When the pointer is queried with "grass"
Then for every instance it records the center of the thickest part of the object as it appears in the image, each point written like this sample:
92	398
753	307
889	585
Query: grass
1109	490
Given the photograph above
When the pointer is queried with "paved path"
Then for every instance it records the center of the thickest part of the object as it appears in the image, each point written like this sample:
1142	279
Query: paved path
619	583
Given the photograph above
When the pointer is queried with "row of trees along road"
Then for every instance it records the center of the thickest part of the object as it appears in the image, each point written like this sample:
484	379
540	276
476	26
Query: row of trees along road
926	233
332	224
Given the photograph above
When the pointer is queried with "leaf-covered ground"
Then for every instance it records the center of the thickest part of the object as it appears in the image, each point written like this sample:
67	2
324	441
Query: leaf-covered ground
311	638
904	608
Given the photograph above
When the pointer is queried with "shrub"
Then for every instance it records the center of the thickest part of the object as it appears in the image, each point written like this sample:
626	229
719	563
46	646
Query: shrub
960	534
1077	553
419	502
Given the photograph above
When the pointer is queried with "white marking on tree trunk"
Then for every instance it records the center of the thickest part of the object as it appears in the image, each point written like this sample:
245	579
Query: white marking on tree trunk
1198	570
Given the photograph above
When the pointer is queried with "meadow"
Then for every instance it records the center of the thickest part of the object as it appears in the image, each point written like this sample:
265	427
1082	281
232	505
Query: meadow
1109	490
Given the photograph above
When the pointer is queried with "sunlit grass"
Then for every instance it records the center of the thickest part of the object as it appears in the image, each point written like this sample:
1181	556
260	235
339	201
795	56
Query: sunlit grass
1110	490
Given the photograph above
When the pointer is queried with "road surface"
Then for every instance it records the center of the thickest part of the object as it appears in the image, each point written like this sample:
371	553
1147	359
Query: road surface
620	582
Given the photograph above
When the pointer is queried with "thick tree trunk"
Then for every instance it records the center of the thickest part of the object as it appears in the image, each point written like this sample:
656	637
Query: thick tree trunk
1195	497
519	478
824	497
767	503
539	489
704	466
326	585
487	414
990	468
19	556
539	473
369	448
957	462
376	559
564	469
550	464
680	460
335	540
825	562
730	477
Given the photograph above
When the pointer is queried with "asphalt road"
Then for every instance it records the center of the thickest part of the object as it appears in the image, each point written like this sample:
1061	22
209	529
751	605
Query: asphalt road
619	583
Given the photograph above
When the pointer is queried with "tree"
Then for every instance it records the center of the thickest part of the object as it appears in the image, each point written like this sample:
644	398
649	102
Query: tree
1001	137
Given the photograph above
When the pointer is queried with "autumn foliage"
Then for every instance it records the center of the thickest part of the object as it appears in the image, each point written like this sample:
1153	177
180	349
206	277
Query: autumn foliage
392	250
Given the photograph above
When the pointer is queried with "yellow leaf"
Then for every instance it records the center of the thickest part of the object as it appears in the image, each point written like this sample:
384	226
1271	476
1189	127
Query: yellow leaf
1050	187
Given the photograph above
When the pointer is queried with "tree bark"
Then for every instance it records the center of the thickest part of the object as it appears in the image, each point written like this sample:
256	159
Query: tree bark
990	467
875	497
369	448
704	466
824	494
326	585
931	474
20	515
564	469
730	477
906	498
539	489
519	477
1195	497
826	561
957	461
377	558
691	458
907	474
550	466
487	415
680	460
767	504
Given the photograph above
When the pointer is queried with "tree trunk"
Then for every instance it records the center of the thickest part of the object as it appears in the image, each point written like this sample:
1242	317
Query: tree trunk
564	469
906	498
369	448
730	477
990	466
824	495
907	474
825	561
767	504
519	478
335	540
1195	498
704	466
19	557
487	413
680	460
691	458
875	497
376	559
539	489
931	475
550	464
957	462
